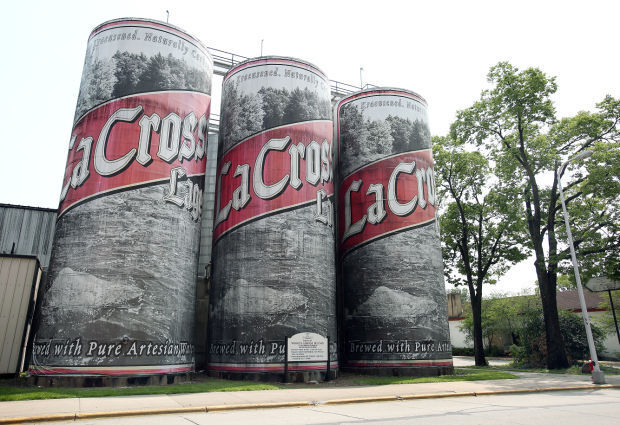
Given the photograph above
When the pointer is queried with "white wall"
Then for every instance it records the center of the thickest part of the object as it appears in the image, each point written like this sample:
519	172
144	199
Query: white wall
612	348
457	337
19	279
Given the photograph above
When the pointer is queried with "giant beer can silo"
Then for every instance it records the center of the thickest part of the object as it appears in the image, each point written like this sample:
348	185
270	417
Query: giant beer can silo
273	254
395	319
120	291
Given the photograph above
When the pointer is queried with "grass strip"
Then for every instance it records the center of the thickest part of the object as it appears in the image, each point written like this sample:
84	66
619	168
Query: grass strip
460	374
573	370
15	390
14	393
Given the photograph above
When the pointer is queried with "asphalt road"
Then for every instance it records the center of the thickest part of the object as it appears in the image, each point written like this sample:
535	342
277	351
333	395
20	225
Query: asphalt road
596	406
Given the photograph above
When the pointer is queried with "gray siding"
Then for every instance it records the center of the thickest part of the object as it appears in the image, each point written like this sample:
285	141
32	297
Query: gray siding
208	206
16	289
27	231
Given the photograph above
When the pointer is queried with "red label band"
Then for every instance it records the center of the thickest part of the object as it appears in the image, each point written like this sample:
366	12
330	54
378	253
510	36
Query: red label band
398	363
271	367
278	169
135	141
385	197
110	371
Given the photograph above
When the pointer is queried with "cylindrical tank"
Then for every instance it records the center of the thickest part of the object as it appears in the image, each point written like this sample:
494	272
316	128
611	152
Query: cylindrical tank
395	318
120	291
273	253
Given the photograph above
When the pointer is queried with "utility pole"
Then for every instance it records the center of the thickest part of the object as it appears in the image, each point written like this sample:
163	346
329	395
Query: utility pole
597	375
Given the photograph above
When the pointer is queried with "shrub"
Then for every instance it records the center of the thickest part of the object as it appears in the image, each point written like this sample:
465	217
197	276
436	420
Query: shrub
533	350
469	351
494	351
462	351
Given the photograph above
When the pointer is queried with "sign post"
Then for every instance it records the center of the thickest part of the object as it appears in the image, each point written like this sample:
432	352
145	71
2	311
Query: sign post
613	310
328	364
285	359
600	284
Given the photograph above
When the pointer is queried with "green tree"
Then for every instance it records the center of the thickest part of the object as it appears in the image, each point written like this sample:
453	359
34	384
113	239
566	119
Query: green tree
480	227
565	283
501	316
532	350
515	121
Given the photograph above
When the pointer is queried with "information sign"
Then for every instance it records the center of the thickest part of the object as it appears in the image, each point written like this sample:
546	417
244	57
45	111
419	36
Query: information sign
307	347
600	284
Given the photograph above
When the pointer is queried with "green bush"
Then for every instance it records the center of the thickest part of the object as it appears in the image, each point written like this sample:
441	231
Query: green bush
532	351
494	351
469	351
462	351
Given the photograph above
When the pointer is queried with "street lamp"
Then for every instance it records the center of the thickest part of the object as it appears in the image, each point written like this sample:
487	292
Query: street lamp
597	375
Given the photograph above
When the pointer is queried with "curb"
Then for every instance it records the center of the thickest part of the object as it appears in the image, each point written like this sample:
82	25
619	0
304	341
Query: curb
229	407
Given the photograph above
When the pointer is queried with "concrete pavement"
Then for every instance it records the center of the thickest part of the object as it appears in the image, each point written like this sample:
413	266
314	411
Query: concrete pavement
541	408
460	361
83	408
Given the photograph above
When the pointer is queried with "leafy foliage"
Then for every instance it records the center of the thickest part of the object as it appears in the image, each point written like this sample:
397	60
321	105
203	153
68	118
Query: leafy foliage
480	227
533	352
501	316
514	121
566	282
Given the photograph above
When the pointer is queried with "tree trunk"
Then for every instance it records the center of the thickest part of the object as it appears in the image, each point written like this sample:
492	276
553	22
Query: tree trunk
476	309
556	352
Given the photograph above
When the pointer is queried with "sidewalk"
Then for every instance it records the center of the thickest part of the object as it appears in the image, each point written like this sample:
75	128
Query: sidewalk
81	408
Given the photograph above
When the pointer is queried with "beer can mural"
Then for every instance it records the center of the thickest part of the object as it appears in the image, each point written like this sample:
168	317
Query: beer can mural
273	254
394	302
120	292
